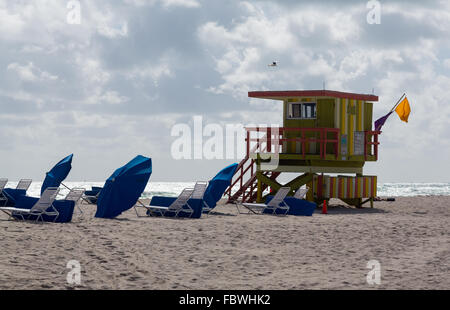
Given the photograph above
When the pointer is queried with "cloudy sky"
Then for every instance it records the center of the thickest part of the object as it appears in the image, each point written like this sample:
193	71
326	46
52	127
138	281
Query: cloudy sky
114	85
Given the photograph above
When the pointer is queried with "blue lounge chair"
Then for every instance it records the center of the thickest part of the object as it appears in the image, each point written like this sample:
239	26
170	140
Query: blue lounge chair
35	209
189	204
3	198
274	206
91	196
75	194
13	194
297	204
60	211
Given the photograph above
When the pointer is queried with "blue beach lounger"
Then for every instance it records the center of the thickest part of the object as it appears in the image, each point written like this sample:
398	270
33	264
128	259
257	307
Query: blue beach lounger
3	198
91	196
297	204
13	194
75	195
189	204
275	206
61	211
161	206
36	211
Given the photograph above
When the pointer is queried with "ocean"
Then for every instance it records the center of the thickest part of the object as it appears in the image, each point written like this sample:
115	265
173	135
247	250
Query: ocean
174	188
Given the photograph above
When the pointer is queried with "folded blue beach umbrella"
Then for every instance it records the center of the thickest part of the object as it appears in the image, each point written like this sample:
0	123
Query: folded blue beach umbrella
218	185
124	187
58	173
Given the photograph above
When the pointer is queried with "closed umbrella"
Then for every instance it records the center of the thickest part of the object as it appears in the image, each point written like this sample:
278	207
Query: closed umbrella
124	187
58	173
218	185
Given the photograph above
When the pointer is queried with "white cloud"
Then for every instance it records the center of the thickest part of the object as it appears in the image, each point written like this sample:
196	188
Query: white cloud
339	26
446	63
92	70
24	72
21	95
11	24
30	72
108	97
166	3
182	3
242	52
109	24
436	17
238	73
155	71
43	25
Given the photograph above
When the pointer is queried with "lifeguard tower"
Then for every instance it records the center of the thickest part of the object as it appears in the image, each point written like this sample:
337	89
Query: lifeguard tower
325	134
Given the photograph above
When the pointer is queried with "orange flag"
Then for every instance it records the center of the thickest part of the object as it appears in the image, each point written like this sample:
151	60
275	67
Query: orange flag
403	110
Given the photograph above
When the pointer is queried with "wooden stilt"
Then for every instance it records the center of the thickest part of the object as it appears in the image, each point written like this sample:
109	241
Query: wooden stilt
259	190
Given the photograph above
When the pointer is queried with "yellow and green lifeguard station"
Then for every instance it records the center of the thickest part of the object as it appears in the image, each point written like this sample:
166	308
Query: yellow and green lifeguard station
325	139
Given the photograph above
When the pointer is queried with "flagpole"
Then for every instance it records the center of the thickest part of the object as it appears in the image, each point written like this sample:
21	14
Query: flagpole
404	94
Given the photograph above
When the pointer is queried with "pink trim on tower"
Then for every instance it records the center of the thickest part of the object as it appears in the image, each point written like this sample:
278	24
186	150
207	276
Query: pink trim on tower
280	94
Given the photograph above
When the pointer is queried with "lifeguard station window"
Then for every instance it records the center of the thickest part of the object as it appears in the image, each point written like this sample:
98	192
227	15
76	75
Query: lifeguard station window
301	110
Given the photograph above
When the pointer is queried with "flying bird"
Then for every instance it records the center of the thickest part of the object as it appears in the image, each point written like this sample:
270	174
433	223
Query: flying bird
273	64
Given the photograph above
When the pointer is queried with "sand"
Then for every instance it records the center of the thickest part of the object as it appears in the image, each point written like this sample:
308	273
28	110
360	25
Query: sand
409	238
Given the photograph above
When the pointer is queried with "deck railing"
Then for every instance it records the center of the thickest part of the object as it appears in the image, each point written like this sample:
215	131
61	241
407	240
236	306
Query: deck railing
371	138
273	138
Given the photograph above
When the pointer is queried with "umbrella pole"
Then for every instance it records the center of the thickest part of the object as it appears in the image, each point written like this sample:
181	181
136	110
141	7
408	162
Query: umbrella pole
71	189
66	186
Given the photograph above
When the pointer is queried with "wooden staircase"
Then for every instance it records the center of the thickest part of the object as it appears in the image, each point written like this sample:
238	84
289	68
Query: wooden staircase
247	182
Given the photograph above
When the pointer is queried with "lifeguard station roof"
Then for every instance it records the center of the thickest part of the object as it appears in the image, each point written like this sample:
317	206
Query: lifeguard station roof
283	94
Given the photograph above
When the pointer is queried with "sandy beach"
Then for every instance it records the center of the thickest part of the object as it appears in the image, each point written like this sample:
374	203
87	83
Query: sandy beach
409	237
